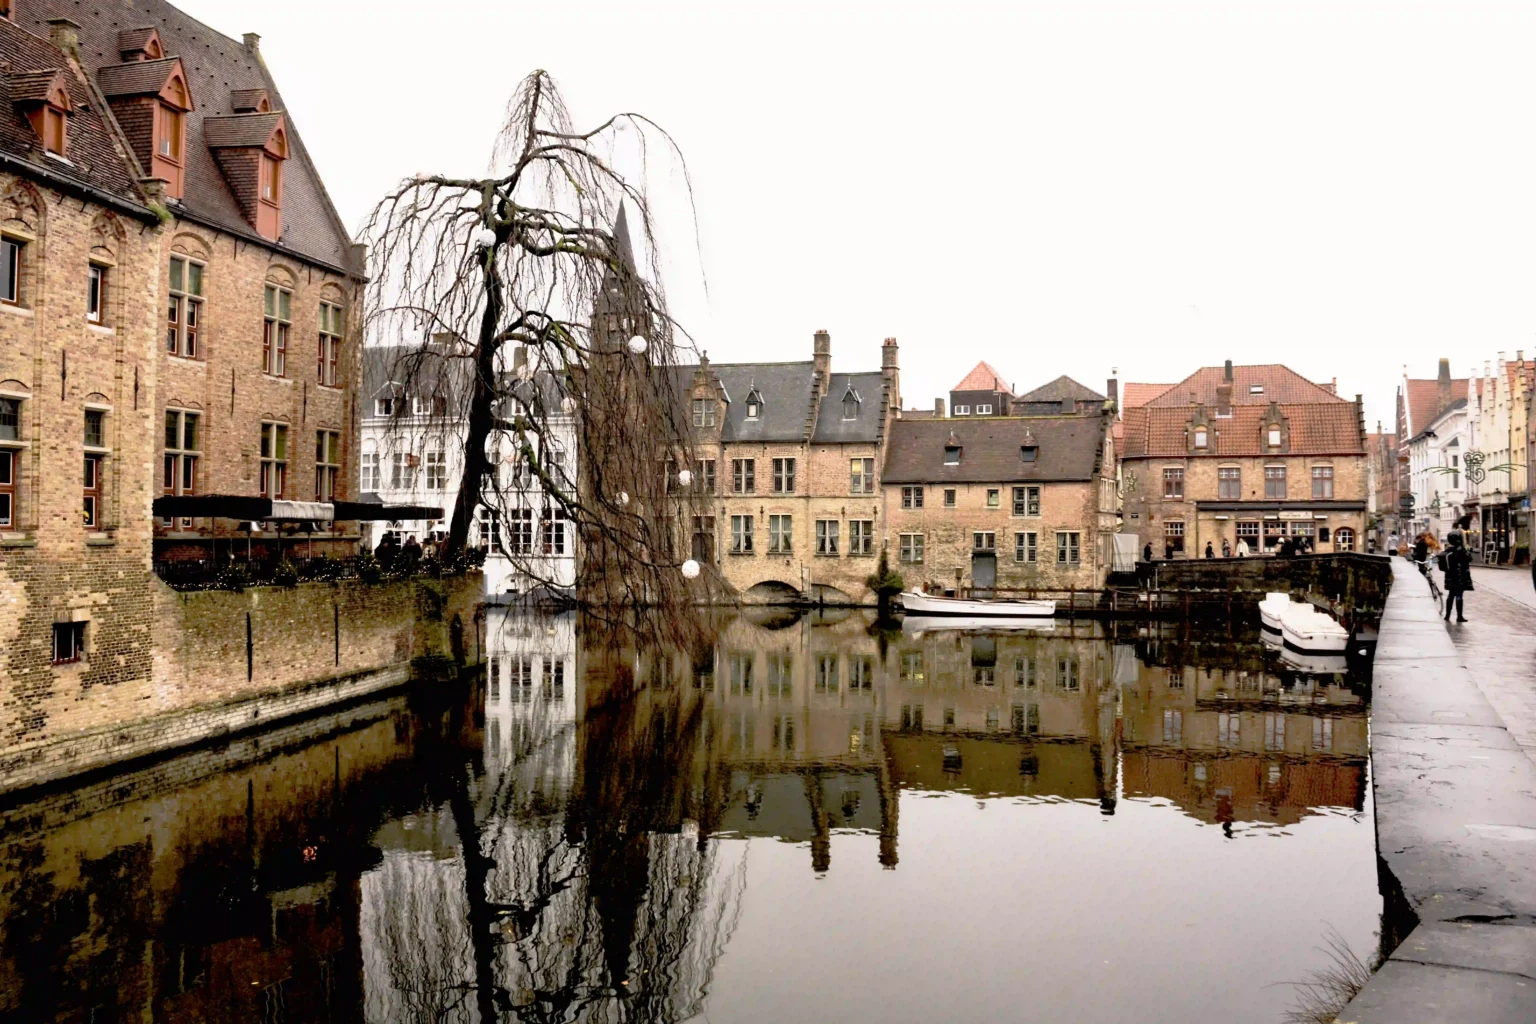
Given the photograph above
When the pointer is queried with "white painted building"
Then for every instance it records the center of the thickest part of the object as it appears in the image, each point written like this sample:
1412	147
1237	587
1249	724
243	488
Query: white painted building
412	454
1437	473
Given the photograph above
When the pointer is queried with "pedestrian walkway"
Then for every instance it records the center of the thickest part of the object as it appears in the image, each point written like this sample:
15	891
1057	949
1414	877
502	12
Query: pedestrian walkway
1455	806
1498	646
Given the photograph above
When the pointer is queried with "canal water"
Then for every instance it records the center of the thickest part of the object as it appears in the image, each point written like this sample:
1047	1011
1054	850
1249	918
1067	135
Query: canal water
797	819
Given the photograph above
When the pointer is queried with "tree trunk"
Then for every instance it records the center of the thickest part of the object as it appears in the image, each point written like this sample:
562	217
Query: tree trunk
482	408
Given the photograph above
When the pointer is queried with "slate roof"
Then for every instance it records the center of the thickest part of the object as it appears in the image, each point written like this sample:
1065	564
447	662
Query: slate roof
240	129
1315	429
426	370
786	393
831	428
1070	449
94	158
1133	394
1061	389
983	378
1280	384
215	65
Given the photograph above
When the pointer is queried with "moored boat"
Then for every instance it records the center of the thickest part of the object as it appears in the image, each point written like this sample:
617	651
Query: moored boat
1310	631
1272	608
914	603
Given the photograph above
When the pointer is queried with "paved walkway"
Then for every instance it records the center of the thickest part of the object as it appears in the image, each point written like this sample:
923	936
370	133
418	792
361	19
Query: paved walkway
1498	646
1456	805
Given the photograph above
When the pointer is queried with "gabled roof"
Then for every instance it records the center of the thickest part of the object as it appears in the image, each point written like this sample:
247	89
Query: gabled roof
95	161
215	66
983	378
1423	400
136	78
38	86
1070	450
1278	383
1062	389
1315	428
1133	394
785	389
831	428
241	130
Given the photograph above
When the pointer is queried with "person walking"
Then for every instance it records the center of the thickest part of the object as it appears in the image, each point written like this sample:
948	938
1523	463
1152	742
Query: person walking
1242	548
1210	552
1458	575
1146	552
1226	548
1420	553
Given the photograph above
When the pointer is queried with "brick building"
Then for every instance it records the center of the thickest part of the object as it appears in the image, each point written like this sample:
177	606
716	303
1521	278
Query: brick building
1004	501
793	453
1244	453
982	392
258	356
175	310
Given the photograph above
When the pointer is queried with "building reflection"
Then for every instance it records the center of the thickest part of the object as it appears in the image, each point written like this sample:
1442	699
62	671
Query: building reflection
565	842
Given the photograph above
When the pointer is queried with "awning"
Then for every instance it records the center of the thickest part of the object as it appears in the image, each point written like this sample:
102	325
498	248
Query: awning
245	507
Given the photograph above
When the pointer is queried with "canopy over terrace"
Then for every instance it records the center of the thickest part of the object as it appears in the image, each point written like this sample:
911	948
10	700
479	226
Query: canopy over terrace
248	509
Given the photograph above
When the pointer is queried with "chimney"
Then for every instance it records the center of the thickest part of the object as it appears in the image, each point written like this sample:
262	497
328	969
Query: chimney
252	42
1227	372
1443	386
65	34
1112	390
821	349
890	370
520	361
1224	400
938	408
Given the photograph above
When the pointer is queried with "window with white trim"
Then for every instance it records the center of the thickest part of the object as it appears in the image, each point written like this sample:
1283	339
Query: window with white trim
826	537
861	536
10	270
1026	501
274	459
911	549
96	293
327	464
1026	546
1069	547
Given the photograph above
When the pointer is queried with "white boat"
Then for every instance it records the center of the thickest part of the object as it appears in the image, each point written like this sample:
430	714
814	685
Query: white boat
1310	631
914	603
917	625
1271	609
1316	664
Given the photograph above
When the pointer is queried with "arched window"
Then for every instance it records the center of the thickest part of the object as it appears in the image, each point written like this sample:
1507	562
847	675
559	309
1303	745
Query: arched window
1344	539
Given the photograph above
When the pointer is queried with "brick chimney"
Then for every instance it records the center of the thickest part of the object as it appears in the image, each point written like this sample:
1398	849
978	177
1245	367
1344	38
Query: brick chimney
890	371
252	42
65	34
1112	390
938	408
1443	386
1227	372
821	350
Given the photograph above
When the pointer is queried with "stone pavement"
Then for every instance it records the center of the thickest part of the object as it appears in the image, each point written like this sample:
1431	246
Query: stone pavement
1455	806
1498	646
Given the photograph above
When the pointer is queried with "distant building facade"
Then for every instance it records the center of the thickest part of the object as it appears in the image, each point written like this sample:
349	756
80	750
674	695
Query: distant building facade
1244	453
982	392
1499	501
1018	502
789	455
1420	402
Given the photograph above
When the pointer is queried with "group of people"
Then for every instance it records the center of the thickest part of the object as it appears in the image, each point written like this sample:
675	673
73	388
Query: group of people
1288	546
394	556
1455	562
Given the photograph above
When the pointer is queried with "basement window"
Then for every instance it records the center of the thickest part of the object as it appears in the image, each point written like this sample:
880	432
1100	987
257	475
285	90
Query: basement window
68	642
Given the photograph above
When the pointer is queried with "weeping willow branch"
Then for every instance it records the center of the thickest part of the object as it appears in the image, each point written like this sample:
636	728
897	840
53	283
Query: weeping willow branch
546	354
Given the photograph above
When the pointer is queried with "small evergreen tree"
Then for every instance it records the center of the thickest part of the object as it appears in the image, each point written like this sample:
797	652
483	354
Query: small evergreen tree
885	583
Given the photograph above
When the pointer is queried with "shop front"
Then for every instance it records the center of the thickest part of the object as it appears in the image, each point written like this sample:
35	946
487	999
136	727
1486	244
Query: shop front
1264	526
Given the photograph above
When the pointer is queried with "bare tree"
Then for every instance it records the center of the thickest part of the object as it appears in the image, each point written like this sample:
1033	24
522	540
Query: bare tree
529	319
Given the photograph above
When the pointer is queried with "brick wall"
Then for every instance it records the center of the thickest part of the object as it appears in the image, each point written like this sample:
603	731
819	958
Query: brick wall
310	646
1147	512
228	383
53	569
948	534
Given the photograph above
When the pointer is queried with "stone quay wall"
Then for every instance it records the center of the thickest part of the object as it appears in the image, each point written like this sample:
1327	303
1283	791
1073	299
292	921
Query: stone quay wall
225	662
1349	585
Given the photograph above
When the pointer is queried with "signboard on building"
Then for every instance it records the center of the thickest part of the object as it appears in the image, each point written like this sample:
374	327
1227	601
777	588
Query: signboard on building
1295	515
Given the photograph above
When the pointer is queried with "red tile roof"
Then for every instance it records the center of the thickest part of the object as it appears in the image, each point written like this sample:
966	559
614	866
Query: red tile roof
1423	397
983	378
1316	428
1277	383
1133	394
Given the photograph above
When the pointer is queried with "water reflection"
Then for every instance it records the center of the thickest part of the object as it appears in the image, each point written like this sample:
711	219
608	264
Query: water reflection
598	833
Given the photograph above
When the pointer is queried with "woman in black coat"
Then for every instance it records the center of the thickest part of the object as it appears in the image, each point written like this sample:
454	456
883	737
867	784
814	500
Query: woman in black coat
1458	575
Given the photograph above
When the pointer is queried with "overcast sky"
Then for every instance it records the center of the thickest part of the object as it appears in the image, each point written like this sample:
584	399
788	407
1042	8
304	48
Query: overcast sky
1053	187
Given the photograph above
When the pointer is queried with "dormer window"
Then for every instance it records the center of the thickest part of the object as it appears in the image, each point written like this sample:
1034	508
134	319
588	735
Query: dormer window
754	404
703	412
1255	389
1202	437
1274	436
850	404
1029	452
44	98
149	94
951	455
250	150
